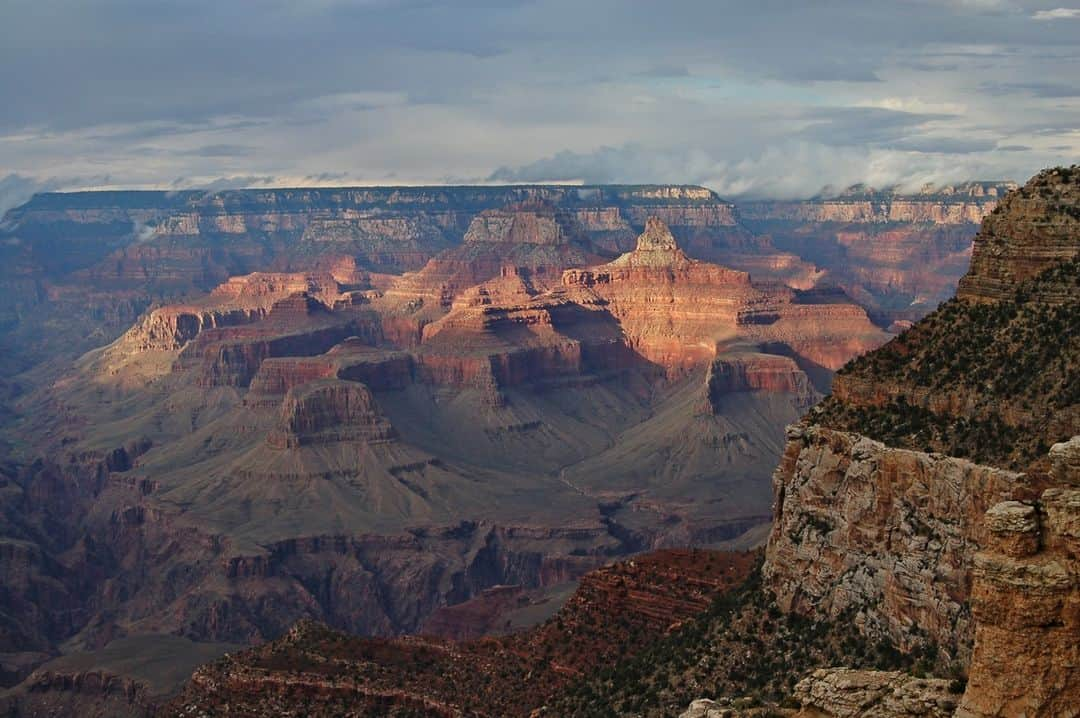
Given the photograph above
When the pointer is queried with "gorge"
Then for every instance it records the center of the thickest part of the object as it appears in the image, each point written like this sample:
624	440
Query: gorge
367	407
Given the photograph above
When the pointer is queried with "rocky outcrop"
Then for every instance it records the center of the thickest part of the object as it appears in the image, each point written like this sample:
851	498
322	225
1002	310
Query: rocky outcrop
297	326
328	411
966	203
90	694
735	372
1026	602
674	310
884	535
1033	229
848	693
240	300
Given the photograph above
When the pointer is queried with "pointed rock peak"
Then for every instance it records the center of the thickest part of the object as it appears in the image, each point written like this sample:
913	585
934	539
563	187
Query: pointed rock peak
656	237
656	248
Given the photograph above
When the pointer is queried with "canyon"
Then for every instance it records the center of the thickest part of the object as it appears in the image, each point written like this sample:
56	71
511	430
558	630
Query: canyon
367	407
909	571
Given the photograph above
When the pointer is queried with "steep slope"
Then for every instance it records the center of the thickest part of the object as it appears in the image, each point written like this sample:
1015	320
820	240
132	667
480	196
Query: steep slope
324	673
993	374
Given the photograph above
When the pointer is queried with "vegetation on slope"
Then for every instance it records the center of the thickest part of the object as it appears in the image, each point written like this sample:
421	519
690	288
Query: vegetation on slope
744	648
617	612
1008	371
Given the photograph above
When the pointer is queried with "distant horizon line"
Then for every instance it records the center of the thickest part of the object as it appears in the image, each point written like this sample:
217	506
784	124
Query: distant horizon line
826	192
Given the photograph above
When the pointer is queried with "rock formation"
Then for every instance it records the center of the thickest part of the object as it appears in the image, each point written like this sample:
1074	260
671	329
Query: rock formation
1032	230
1026	602
898	254
846	693
317	444
675	310
329	411
883	534
398	401
507	676
905	539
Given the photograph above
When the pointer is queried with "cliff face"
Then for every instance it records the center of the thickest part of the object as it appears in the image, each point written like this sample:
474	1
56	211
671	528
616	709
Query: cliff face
924	547
1033	229
898	254
883	535
968	203
1026	601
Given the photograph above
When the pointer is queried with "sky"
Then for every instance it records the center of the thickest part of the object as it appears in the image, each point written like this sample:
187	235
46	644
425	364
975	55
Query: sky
752	99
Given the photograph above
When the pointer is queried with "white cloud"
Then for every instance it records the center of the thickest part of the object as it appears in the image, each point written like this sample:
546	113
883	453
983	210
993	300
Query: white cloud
786	170
1061	13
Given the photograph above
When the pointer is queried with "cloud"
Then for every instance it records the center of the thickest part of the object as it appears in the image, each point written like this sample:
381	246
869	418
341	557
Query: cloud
863	125
791	169
411	91
1052	90
16	190
224	150
218	184
142	232
1061	13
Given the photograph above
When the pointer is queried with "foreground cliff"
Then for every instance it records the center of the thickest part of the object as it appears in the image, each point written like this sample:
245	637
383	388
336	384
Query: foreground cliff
931	497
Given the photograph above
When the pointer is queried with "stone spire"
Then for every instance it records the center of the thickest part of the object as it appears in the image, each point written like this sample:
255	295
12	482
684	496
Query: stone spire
656	237
656	247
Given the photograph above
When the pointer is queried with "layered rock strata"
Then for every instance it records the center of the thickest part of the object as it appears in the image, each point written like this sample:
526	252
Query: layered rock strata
1026	602
1032	229
898	254
935	549
883	535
